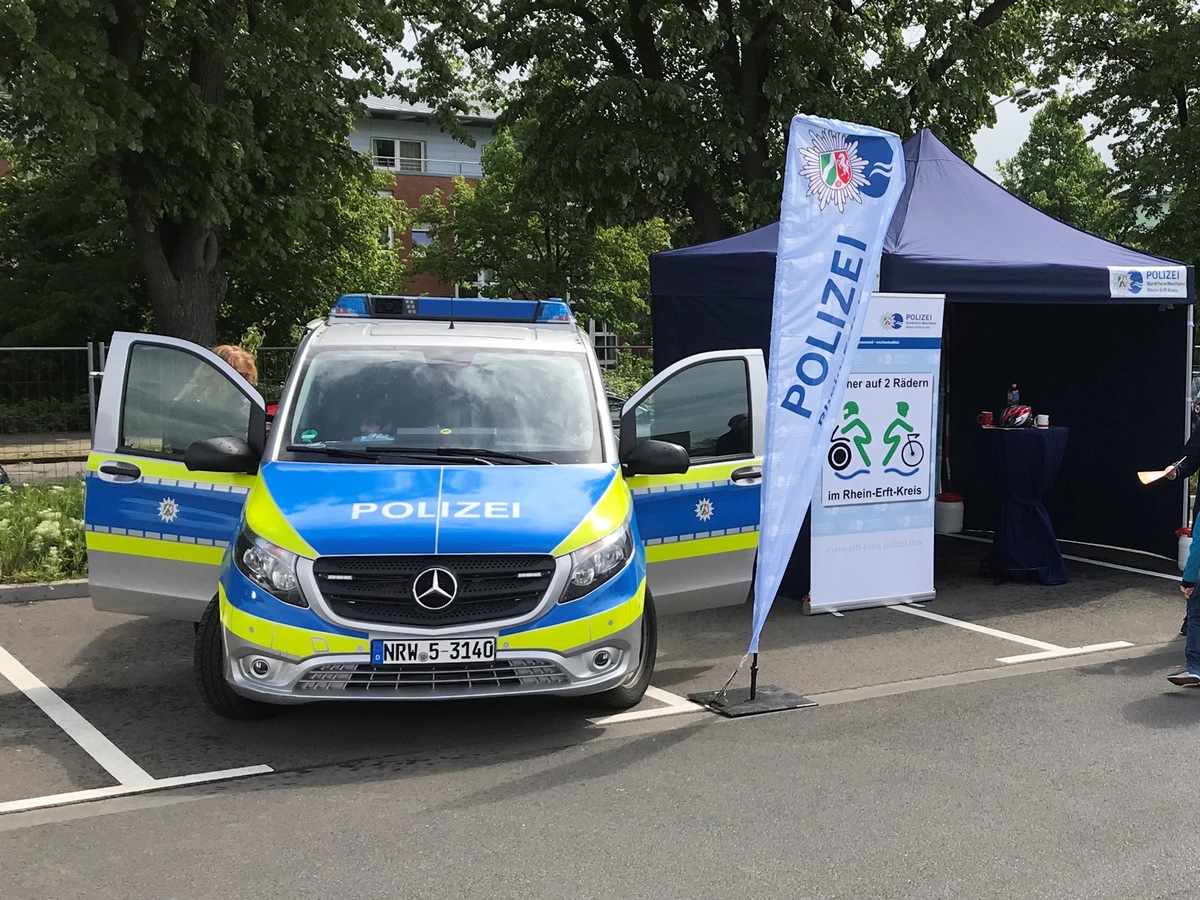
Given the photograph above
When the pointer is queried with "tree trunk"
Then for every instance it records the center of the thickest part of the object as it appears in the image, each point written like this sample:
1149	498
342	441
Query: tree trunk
186	278
188	308
705	214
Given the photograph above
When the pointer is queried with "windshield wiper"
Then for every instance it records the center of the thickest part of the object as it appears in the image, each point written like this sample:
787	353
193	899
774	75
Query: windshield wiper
371	454
331	451
484	456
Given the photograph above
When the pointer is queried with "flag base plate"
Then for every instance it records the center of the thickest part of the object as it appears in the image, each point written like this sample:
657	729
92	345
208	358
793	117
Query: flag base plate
737	703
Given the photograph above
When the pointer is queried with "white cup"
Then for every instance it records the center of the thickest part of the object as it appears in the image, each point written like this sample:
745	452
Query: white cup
1043	421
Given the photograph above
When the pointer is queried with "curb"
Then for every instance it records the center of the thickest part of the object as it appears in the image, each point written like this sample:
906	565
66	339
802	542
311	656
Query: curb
54	590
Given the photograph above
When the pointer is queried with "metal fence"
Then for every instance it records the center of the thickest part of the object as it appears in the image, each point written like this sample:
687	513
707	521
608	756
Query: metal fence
47	410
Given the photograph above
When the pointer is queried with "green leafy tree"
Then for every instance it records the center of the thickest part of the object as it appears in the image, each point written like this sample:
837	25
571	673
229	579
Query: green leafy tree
538	243
67	270
223	124
1135	62
343	250
680	109
1057	171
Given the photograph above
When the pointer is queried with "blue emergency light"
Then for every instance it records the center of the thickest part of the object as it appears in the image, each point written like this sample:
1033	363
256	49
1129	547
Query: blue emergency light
453	309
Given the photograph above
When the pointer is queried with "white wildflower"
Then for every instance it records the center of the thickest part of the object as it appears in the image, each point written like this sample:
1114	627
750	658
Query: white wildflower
48	529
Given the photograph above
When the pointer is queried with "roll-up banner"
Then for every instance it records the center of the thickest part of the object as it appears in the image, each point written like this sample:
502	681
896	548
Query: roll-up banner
872	510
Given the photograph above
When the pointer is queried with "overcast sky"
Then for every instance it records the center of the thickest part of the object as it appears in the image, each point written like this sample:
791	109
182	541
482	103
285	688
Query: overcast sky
994	145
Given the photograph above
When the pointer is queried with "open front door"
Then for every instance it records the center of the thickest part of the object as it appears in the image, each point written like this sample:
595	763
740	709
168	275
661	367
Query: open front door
701	528
156	531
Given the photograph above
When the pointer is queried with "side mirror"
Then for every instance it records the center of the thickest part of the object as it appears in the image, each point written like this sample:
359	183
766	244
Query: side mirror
222	454
656	458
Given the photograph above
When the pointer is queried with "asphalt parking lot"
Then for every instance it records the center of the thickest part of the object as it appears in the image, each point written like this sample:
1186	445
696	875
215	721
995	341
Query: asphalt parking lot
133	718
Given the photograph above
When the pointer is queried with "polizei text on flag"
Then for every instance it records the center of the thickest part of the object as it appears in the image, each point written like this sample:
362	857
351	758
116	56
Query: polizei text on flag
838	297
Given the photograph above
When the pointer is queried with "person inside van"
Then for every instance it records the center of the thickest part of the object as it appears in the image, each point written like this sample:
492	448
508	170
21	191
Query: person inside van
376	425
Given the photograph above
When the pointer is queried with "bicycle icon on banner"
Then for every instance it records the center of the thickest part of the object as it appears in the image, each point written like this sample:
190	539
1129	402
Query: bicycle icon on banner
841	454
913	451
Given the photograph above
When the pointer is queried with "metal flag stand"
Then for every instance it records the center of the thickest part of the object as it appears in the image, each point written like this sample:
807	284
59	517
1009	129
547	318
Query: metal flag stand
750	701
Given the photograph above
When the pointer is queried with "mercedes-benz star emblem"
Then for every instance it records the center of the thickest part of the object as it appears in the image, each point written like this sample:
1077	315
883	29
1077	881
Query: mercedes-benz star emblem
435	588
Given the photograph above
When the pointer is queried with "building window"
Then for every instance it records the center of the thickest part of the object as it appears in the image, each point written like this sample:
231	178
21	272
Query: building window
605	342
397	155
387	237
421	236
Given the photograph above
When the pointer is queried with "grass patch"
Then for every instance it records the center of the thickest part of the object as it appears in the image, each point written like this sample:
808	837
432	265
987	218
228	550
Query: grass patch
41	532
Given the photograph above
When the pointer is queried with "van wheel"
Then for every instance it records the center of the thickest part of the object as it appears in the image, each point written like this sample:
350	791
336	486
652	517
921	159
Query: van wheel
209	664
630	693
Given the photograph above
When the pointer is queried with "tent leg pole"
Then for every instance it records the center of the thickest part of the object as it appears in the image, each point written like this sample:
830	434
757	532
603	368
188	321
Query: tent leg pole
1187	410
753	676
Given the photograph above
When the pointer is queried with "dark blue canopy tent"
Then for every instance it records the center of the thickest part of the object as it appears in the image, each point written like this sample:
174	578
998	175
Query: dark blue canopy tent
1028	302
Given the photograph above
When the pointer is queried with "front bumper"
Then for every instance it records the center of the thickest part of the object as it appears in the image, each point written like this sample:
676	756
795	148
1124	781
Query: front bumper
307	657
351	676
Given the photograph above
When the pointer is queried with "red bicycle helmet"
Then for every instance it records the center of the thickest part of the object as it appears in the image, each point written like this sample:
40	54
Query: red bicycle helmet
1016	417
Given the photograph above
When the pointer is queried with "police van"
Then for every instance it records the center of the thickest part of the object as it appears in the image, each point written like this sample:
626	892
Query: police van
440	507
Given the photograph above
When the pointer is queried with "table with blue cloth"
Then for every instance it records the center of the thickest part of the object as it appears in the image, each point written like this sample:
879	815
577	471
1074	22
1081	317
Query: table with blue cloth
1027	461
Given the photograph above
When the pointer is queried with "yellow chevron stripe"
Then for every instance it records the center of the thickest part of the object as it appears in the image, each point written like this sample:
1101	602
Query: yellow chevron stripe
701	547
300	643
154	549
568	635
603	518
297	643
267	521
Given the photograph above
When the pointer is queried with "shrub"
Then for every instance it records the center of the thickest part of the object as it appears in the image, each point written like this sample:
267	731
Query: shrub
41	532
42	416
630	373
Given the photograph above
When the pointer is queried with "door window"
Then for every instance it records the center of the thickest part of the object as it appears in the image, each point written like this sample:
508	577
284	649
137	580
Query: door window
704	408
174	398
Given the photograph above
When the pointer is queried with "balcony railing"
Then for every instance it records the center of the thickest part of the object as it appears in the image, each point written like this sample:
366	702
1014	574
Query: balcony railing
444	167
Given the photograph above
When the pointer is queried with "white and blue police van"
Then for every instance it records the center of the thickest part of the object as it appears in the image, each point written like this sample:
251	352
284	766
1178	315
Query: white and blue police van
440	508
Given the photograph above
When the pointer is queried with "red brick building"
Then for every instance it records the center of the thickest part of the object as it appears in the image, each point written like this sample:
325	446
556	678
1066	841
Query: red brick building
403	138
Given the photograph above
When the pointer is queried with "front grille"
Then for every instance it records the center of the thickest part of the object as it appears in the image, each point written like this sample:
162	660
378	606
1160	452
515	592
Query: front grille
484	677
379	589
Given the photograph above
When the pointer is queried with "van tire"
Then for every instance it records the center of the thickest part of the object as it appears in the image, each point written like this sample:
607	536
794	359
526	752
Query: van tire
209	664
630	693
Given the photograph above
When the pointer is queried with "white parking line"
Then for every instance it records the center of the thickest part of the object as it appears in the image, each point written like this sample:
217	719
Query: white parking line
971	626
132	778
1064	651
1047	651
673	706
120	790
79	729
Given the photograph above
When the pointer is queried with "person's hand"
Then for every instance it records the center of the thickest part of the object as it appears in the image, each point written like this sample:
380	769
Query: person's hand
1185	590
1171	473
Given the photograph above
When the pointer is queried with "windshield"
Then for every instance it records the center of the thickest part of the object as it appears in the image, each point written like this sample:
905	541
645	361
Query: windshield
509	406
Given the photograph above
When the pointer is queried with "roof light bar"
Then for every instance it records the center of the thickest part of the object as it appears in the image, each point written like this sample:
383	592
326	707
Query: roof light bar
453	309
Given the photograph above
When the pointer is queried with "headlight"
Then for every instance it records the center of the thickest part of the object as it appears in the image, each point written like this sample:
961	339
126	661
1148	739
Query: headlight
269	566
594	564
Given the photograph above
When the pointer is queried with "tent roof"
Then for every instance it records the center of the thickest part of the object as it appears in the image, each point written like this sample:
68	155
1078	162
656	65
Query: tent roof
955	232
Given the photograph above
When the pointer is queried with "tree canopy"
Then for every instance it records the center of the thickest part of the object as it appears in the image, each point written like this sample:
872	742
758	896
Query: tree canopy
67	270
1135	61
680	109
1057	171
536	242
222	124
